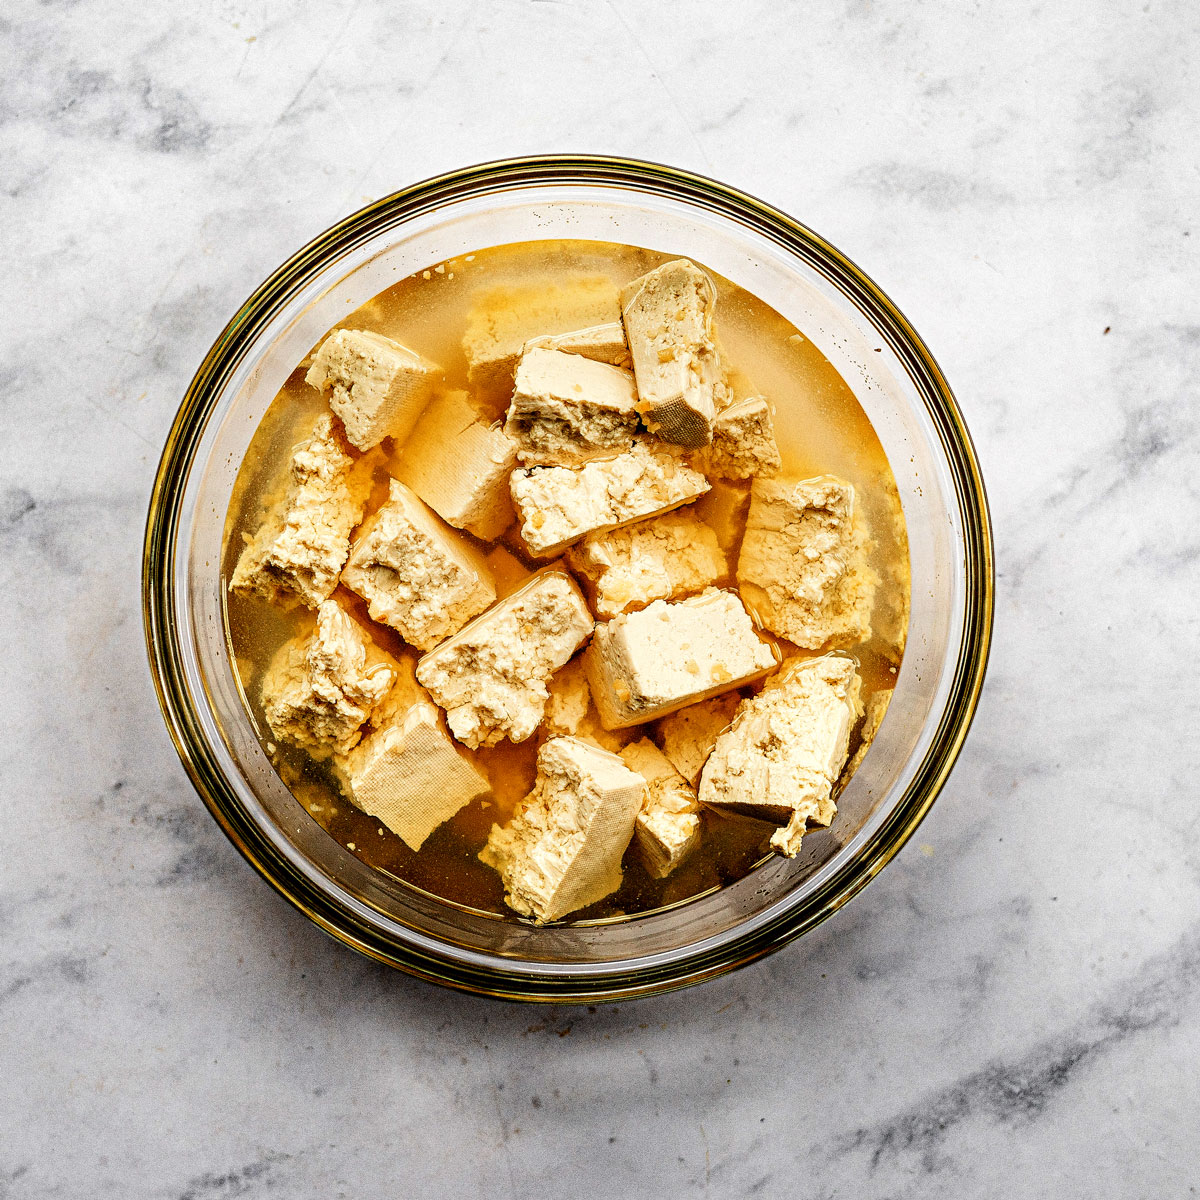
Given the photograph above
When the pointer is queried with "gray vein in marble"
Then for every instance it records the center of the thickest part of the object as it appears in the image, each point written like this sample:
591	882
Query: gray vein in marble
254	1178
1021	1090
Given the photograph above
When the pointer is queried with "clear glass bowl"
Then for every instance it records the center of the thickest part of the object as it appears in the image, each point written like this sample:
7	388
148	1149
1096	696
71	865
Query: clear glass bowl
766	252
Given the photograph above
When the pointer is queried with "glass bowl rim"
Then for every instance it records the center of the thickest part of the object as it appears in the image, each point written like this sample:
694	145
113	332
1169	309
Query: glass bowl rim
159	555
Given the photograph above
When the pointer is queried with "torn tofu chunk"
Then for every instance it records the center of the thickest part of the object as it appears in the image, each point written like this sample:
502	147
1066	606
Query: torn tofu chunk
321	687
803	566
668	322
562	850
782	756
571	713
417	576
876	709
409	774
646	664
601	343
567	409
298	552
459	464
656	559
688	735
503	318
667	829
491	677
558	506
378	387
743	443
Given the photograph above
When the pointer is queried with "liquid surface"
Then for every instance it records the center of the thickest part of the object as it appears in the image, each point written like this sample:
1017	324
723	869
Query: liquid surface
820	429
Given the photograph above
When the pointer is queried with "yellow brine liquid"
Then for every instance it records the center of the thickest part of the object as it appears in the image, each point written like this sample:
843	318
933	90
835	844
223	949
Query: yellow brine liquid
820	429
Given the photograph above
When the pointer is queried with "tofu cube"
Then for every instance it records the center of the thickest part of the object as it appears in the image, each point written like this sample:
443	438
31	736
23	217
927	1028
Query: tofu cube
558	506
803	565
783	754
298	552
656	559
417	575
743	443
667	829
601	343
410	775
491	677
646	664
459	464
321	687
503	318
562	850
668	322
377	386
567	409
688	736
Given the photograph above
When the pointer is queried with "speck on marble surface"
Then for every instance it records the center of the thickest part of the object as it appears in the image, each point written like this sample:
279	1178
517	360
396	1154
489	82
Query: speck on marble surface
1014	1005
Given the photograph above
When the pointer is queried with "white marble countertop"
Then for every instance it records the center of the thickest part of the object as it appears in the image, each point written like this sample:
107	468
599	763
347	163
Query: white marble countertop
1013	1006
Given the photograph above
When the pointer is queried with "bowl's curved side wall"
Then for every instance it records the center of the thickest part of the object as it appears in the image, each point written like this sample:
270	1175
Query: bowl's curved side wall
190	712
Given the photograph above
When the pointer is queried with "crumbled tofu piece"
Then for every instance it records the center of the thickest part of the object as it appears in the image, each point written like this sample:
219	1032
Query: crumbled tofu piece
504	318
569	702
667	829
459	464
657	559
668	322
299	550
876	709
417	576
321	687
563	848
558	506
646	664
378	387
803	566
786	748
743	442
567	409
688	736
491	676
571	713
601	343
409	774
